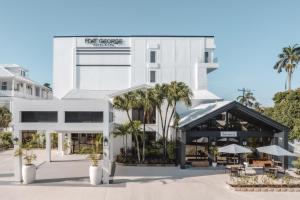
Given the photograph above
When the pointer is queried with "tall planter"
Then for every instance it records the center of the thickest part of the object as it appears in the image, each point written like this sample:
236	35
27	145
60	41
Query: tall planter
95	173
28	173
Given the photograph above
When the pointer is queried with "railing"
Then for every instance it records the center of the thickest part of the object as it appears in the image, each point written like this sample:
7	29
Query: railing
214	60
10	93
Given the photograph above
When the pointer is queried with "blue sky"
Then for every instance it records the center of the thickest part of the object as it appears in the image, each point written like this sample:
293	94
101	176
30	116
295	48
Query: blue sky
249	34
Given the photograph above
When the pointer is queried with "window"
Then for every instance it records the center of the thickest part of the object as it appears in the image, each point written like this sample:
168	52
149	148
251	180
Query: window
152	76
206	55
4	86
38	116
138	114
83	117
37	91
152	56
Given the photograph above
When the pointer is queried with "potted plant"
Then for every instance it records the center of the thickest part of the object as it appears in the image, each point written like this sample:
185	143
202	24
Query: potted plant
28	169
67	147
214	151
95	170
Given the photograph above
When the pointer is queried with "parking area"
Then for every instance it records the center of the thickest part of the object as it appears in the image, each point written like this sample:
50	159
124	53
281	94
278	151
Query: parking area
68	179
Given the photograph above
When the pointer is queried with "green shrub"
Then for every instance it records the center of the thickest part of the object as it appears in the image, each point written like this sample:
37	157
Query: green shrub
6	140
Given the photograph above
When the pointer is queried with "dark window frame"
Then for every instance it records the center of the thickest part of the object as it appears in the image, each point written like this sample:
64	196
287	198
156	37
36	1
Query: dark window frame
39	117
152	76
152	56
86	117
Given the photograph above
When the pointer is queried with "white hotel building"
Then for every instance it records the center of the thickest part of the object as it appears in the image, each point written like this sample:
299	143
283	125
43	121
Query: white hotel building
89	70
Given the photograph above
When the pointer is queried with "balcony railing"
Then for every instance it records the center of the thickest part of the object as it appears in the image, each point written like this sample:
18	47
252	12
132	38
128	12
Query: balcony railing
10	93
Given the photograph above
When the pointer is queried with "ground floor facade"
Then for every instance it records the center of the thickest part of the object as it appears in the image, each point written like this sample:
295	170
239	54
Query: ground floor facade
225	123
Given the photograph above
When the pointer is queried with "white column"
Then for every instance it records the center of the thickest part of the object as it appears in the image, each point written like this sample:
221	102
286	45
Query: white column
18	159
60	144
13	88
106	153
48	146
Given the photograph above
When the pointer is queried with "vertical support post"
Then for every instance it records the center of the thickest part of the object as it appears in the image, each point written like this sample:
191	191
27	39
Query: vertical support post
17	160
106	147
13	88
48	146
182	149
60	143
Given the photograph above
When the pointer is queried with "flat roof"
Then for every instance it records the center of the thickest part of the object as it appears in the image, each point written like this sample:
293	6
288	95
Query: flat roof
57	36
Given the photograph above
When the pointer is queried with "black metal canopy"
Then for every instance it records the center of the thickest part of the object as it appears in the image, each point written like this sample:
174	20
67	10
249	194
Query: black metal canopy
242	112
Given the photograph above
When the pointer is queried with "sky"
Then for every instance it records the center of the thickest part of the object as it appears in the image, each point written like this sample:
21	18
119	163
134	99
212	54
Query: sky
249	34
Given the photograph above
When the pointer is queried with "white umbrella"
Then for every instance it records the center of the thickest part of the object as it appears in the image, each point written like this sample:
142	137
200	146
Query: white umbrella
275	150
234	149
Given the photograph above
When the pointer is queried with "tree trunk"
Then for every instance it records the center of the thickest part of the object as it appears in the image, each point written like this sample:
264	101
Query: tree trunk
137	148
164	132
144	131
289	80
169	123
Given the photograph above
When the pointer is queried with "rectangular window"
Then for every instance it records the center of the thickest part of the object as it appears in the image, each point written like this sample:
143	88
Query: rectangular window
152	76
38	116
206	55
138	115
37	91
83	117
4	86
152	56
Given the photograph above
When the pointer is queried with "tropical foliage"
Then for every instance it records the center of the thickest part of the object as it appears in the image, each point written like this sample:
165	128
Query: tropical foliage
163	98
5	140
248	99
288	60
286	110
5	117
25	150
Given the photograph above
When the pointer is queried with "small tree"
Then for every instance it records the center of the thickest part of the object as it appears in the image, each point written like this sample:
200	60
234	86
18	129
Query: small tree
5	117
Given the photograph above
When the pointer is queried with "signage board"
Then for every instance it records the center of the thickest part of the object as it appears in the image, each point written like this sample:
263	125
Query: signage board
228	134
102	42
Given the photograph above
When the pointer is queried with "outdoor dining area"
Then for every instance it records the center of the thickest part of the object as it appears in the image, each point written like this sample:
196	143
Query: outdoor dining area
271	165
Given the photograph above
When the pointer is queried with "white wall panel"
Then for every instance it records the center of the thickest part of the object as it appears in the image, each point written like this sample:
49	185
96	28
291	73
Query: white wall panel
104	77
103	59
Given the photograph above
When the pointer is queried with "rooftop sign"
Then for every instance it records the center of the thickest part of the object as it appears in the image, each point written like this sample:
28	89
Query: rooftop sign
102	42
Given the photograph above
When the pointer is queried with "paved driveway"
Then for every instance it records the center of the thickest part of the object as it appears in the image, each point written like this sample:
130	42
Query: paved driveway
69	180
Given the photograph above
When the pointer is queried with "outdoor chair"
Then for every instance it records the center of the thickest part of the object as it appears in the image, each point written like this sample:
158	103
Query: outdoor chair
234	171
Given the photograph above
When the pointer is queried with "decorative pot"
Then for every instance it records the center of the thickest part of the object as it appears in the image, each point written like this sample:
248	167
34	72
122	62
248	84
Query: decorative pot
28	173
214	164
95	175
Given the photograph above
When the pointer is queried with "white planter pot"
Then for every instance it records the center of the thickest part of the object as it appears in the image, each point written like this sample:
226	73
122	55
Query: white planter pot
214	164
95	175
28	173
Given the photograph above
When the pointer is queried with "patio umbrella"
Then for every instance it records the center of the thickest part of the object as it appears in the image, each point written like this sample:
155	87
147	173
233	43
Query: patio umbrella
234	149
275	150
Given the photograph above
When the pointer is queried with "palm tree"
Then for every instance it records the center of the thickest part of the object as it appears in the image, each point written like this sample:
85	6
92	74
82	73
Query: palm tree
145	101
122	130
5	117
247	99
176	92
288	60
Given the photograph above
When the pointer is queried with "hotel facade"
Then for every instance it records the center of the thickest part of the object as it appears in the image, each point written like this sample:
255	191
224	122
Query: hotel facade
89	71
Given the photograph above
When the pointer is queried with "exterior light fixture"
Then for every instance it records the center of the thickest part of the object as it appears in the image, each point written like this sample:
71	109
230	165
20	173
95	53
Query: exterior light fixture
105	142
15	140
213	143
245	142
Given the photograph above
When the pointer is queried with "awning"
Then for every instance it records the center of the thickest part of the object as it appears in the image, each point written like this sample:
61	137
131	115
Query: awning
275	150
